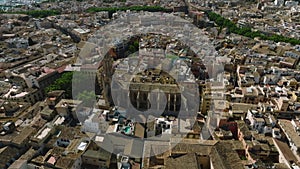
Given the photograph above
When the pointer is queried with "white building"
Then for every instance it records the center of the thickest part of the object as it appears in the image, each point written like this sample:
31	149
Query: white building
95	123
279	2
291	3
257	122
291	54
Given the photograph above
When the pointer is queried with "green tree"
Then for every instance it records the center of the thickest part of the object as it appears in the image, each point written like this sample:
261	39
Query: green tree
246	31
136	44
131	49
62	83
73	83
87	97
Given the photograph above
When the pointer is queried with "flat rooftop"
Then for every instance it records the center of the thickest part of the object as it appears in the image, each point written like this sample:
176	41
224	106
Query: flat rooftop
288	128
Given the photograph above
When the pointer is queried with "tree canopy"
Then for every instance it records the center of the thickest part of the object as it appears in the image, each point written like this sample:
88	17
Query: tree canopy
246	31
36	13
84	91
87	97
62	83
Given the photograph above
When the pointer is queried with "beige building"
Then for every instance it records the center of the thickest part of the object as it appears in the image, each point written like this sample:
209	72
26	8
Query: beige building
97	158
54	97
214	93
155	84
68	107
